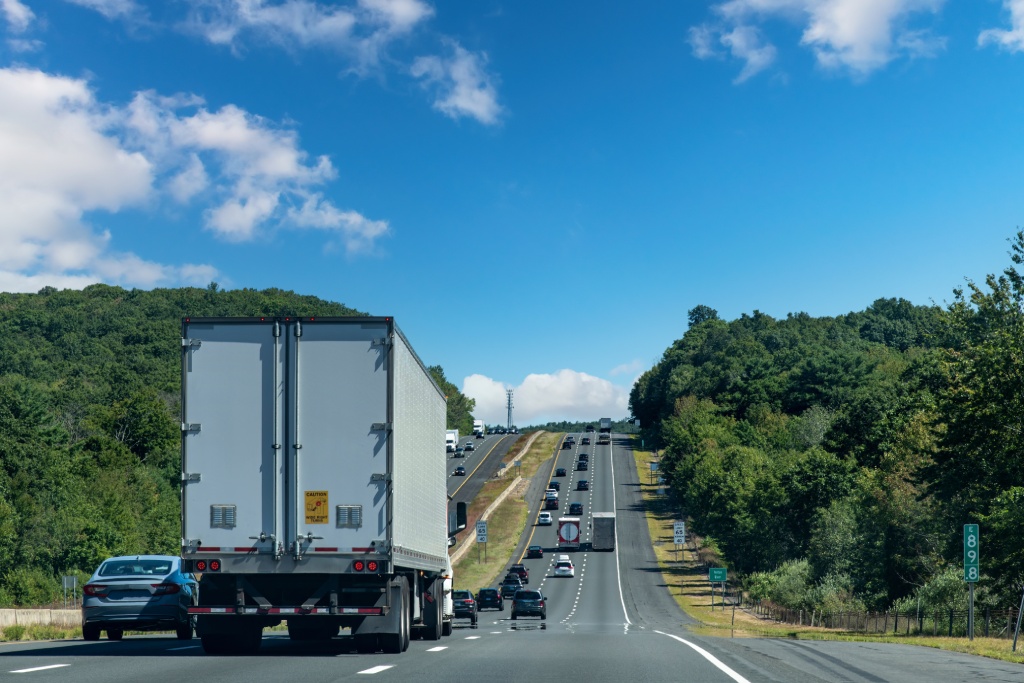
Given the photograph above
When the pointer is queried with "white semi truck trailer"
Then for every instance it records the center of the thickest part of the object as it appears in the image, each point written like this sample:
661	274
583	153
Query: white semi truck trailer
313	482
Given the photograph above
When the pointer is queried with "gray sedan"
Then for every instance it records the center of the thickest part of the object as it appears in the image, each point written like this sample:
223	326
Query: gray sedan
138	593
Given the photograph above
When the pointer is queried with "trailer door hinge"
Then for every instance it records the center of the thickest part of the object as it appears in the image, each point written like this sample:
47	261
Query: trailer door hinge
380	476
380	341
380	427
193	343
186	477
191	426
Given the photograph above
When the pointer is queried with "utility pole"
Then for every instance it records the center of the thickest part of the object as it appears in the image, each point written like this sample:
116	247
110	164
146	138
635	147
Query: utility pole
508	393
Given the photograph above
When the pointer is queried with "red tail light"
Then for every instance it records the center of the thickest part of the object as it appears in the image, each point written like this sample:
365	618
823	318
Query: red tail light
96	590
207	566
371	566
358	565
165	588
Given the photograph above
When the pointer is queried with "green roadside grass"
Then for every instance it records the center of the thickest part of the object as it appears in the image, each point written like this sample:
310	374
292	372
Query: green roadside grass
688	584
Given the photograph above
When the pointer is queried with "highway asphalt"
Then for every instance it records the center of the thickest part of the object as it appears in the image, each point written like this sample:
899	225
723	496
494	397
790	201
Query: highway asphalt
613	621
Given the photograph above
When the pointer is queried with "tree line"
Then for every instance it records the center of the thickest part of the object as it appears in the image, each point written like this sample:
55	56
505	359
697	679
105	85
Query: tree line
89	423
833	461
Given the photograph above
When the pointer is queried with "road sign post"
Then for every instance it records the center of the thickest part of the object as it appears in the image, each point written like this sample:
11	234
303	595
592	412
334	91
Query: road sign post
717	575
481	538
972	569
679	535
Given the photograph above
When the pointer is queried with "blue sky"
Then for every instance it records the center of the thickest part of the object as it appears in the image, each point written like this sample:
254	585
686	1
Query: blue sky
537	191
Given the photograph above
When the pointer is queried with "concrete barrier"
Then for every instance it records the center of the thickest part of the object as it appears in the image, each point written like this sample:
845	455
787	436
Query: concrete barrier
67	618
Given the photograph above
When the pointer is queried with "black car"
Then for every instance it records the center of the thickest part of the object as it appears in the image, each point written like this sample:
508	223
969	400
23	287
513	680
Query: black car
581	466
560	472
460	471
575	508
529	603
583	456
521	571
481	435
551	504
567	444
585	441
490	598
509	586
465	606
460	452
583	485
555	485
535	551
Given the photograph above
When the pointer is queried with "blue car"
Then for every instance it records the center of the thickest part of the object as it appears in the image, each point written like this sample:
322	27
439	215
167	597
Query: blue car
138	593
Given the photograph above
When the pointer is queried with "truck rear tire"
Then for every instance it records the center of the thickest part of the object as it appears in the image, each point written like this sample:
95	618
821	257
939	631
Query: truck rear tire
433	614
447	629
398	640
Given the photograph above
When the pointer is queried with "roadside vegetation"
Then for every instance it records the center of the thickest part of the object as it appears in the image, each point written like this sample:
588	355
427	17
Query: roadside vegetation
685	570
833	461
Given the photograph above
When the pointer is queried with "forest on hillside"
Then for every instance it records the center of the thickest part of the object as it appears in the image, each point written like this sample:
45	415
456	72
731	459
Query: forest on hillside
833	461
90	423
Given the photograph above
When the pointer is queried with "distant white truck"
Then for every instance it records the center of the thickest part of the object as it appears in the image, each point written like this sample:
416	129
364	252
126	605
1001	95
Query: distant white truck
451	440
479	429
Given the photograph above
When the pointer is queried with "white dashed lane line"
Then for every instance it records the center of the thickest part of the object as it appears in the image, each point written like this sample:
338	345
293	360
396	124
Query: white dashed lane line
438	648
472	637
376	669
39	668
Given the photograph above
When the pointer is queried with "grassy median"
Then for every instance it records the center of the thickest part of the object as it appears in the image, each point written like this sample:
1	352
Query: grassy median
507	522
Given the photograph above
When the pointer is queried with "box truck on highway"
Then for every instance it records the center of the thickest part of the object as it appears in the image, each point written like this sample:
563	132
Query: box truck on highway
603	537
478	428
451	440
314	489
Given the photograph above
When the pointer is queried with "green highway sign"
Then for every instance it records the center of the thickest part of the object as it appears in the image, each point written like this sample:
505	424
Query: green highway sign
972	557
717	574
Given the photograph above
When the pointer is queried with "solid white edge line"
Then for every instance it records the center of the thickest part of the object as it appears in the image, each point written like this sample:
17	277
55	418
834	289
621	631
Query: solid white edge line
39	668
710	657
615	508
376	669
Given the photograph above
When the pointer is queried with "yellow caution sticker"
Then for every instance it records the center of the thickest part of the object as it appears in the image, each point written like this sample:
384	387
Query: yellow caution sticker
316	507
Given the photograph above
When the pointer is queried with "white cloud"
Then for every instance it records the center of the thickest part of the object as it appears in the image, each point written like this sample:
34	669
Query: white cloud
633	367
858	36
744	42
462	86
255	173
362	31
1012	39
702	40
17	15
66	158
111	9
563	395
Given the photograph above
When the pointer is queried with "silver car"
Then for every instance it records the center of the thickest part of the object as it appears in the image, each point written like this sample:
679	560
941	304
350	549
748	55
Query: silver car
138	593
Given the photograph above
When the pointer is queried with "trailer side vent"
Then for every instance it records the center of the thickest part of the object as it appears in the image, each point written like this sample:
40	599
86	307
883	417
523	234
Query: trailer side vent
223	516
349	516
